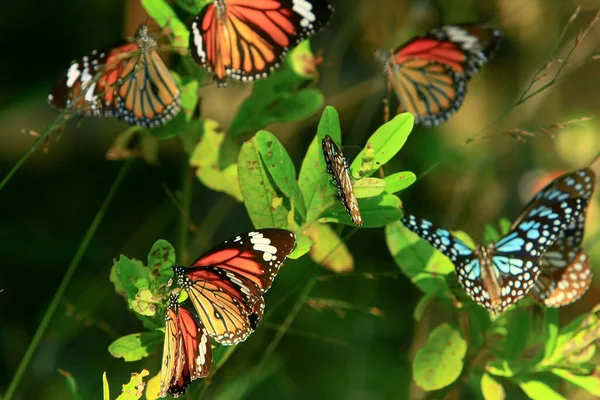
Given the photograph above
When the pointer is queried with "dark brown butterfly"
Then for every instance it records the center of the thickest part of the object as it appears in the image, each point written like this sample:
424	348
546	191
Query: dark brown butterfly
338	169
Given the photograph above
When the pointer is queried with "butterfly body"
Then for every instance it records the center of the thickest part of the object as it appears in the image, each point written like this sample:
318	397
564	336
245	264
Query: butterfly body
246	40
430	72
128	81
226	284
337	167
499	274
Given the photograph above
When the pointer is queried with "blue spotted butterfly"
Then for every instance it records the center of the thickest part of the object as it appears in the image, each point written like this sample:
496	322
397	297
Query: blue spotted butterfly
497	275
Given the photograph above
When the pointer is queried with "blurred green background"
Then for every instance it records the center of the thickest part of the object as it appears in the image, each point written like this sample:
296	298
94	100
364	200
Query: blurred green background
359	353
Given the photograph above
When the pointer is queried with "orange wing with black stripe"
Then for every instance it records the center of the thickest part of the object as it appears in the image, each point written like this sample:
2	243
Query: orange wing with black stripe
128	81
187	353
430	73
226	284
247	39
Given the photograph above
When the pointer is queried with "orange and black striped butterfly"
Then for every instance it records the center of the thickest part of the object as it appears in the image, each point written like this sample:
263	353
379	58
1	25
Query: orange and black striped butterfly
430	72
226	284
128	81
246	40
338	169
187	353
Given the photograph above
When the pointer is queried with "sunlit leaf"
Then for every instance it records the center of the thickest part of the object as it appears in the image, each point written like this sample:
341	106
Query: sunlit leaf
538	390
589	383
376	211
313	180
277	99
399	181
550	331
145	303
161	256
491	389
280	167
369	187
71	384
329	250
519	327
500	368
386	142
490	234
214	157
134	389
303	62
136	346
129	276
576	337
189	98
165	16
258	190
440	362
153	388
105	387
303	245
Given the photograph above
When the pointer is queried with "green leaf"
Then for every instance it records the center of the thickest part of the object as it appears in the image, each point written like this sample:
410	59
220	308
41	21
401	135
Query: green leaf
329	250
129	276
145	303
550	331
136	346
423	303
505	225
281	168
71	384
376	211
589	383
172	129
313	180
369	187
518	327
165	16
160	260
134	389
214	157
303	245
105	387
386	142
303	62
490	234
192	6
576	337
189	98
500	368
399	181
491	389
261	197
275	100
536	389
440	362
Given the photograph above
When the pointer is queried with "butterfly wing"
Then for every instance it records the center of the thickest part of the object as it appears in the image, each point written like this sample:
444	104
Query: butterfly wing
196	344
227	283
171	367
246	40
338	169
430	72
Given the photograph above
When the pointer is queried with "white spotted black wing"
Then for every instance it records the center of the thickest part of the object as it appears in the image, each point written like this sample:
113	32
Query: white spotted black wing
226	284
338	169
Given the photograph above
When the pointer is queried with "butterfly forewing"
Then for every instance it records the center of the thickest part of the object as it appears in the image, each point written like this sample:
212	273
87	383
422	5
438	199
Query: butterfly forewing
226	284
246	40
338	169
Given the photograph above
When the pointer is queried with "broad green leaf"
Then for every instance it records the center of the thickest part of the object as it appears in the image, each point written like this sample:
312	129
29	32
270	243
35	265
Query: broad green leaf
105	387
550	331
153	387
165	16
214	157
145	303
500	368
161	256
281	168
303	245
189	98
590	383
491	389
71	384
376	211
277	99
134	142
440	362
329	250
386	142
490	235
129	276
193	6
303	62
576	337
538	390
399	181
313	180
136	346
261	196
134	389
367	162
518	327
504	225
369	187
423	303
582	357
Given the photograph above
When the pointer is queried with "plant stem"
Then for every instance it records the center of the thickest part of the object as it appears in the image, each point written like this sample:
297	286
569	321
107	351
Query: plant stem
184	224
65	281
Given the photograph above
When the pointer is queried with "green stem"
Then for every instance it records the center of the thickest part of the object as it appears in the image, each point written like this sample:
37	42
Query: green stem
184	225
65	282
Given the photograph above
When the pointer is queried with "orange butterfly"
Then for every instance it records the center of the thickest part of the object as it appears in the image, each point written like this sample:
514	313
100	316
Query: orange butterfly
128	81
247	39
